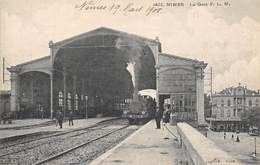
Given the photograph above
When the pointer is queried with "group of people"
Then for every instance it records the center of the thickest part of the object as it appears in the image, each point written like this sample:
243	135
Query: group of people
59	118
165	115
232	136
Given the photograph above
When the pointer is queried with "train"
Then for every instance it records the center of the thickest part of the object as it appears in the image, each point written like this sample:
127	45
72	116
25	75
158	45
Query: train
139	111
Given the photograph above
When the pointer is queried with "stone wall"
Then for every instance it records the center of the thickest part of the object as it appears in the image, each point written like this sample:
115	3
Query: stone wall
200	150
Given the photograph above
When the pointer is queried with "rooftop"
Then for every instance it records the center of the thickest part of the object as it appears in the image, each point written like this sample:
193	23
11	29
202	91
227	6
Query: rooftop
238	90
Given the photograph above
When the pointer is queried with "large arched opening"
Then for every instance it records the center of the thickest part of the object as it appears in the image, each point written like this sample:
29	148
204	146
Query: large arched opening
34	95
96	74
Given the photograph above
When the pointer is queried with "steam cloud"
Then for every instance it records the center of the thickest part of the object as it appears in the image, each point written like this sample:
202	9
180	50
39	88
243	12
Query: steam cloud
133	51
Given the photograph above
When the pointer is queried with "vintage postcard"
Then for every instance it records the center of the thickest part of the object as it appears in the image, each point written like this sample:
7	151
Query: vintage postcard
130	82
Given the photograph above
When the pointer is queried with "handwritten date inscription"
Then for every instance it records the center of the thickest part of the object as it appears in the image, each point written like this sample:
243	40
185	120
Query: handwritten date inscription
116	8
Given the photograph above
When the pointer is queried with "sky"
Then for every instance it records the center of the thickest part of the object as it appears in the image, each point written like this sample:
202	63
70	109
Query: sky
226	37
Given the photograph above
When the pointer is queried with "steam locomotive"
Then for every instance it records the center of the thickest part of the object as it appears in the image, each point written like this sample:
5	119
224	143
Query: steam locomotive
139	111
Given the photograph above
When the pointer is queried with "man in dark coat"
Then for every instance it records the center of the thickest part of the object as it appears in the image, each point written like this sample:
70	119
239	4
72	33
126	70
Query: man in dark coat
71	118
59	118
158	117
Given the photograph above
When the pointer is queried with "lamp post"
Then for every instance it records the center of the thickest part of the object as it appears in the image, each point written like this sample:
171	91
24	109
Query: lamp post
86	98
255	146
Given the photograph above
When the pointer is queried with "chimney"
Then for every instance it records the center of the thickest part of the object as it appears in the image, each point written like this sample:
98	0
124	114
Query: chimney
157	39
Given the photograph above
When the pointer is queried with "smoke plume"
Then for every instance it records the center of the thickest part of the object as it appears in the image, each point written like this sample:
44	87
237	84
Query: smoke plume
133	52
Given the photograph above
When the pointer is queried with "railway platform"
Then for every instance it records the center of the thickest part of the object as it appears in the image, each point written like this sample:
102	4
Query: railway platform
146	146
23	123
34	126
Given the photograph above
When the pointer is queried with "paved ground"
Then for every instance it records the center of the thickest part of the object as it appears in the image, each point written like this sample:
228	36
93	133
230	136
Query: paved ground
77	124
240	150
147	146
25	122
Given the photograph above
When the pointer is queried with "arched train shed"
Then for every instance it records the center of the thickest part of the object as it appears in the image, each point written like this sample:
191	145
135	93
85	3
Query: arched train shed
96	69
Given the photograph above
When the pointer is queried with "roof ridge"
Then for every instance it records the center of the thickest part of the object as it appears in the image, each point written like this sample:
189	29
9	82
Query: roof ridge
71	39
34	60
185	58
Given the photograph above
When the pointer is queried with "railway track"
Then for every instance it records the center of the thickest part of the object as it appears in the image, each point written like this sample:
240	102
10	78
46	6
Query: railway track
48	123
84	130
56	145
47	136
51	134
78	146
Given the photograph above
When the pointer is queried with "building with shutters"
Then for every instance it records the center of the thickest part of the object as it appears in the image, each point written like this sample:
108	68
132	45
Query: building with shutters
229	105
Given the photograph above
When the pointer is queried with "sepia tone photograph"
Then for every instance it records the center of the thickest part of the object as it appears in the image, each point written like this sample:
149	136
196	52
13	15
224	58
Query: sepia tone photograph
128	82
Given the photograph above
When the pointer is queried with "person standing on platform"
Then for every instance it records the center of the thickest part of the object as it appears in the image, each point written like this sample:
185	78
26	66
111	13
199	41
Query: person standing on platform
41	111
158	116
56	117
71	118
166	116
59	118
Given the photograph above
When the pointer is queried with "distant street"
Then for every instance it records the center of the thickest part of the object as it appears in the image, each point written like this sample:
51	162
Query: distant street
241	150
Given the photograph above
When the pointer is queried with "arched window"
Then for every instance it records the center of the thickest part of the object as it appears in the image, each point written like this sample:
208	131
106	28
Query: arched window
228	113
76	102
222	103
229	102
69	101
222	113
60	99
250	103
181	103
234	112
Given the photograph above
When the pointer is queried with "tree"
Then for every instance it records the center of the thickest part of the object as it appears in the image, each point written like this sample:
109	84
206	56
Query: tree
252	117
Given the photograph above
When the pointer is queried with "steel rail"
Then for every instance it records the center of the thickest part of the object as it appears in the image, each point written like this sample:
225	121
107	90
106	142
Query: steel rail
29	126
60	133
50	136
78	146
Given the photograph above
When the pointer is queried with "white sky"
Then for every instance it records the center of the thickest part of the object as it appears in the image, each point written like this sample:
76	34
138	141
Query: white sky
227	38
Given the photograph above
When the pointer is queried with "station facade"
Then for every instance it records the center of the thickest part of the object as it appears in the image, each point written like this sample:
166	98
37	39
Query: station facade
230	105
95	72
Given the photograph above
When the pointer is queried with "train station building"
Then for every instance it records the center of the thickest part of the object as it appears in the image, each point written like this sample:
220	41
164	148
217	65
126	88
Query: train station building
97	71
